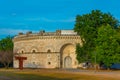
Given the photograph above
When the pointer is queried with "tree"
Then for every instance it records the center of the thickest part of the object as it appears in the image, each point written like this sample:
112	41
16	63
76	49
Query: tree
107	46
6	51
118	35
6	44
82	54
6	57
87	27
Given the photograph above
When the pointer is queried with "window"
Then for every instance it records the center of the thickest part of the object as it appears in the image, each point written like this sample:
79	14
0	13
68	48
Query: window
49	51
33	51
22	51
49	63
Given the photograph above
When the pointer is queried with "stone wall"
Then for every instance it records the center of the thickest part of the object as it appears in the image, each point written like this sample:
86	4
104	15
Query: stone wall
45	51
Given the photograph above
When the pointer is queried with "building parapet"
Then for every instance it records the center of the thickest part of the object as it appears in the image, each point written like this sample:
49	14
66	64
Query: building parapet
59	34
46	37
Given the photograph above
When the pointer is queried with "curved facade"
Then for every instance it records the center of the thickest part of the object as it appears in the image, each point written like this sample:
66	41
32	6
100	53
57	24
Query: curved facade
47	49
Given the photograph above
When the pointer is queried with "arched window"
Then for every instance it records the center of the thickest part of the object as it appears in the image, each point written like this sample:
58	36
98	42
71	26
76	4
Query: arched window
49	51
33	51
22	51
49	63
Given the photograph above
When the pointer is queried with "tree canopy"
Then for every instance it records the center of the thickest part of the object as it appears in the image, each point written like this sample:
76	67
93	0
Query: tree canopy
107	46
6	44
87	27
6	51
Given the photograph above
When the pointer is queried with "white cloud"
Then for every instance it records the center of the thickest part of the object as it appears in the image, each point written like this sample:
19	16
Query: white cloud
33	19
61	20
51	20
13	31
19	24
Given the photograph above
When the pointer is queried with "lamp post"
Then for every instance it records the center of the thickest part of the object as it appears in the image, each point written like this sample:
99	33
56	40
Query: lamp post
95	61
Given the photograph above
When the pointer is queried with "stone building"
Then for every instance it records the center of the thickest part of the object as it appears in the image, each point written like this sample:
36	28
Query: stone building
46	49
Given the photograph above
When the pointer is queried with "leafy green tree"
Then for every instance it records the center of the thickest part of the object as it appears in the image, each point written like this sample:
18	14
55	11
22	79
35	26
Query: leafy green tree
6	51
107	46
81	56
118	34
87	26
6	44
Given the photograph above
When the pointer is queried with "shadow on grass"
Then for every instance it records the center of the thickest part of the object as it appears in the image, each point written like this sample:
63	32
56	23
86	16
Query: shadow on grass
20	76
39	77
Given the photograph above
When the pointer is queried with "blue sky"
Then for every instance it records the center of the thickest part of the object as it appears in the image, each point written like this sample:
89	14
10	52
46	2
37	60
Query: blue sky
49	15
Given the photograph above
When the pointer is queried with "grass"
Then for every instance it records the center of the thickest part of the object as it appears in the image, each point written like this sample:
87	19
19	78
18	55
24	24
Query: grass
49	75
28	76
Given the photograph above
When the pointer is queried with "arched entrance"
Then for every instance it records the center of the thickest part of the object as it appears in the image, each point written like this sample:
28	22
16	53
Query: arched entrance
68	62
67	56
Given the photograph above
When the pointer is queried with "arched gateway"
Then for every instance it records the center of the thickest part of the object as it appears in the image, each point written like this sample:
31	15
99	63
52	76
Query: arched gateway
47	49
68	56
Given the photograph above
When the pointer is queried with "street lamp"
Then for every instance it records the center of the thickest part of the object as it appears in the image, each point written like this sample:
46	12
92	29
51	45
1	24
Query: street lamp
95	61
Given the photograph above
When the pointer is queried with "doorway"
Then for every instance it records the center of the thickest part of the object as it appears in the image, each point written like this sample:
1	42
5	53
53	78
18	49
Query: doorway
68	62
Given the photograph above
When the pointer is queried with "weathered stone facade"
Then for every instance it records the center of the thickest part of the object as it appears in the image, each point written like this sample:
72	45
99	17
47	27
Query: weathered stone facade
47	50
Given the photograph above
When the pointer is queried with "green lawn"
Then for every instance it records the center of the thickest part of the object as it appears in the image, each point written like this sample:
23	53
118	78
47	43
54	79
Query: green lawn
14	76
11	75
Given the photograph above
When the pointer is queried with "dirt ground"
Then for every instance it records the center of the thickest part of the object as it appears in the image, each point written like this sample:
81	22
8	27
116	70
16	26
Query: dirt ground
113	74
98	73
72	74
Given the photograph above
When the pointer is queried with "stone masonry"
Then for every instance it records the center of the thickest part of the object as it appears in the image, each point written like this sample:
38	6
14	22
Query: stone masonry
47	49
